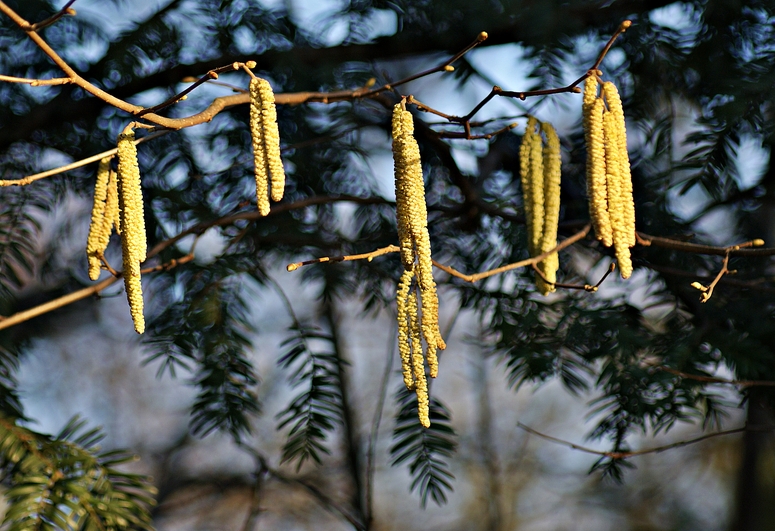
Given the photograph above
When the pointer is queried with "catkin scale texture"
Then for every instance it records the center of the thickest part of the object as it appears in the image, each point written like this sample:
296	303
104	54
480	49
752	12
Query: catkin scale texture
260	162
597	192
551	184
99	233
133	242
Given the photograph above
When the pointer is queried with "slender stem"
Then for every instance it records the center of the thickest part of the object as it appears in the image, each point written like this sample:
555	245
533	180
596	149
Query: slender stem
626	455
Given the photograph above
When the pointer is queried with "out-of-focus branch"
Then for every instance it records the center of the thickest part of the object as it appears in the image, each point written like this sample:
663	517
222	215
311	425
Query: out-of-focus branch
81	294
714	379
657	449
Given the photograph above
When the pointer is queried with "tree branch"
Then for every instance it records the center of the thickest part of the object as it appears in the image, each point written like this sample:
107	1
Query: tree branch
626	455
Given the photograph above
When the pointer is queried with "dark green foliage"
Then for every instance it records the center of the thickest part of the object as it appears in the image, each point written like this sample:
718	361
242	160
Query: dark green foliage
204	332
426	450
66	482
316	411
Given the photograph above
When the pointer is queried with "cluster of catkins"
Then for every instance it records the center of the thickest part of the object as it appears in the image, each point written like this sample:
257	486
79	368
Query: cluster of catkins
118	203
609	183
118	196
539	170
417	301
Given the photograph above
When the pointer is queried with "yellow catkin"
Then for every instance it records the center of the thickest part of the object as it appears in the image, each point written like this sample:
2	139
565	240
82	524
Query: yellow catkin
98	238
414	240
403	182
531	176
272	139
260	159
628	204
616	208
133	241
112	215
404	337
552	176
418	363
597	192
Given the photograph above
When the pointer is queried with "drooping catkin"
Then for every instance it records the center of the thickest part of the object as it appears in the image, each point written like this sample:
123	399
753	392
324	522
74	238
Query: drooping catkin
404	183
404	337
597	193
272	140
552	174
616	208
418	363
628	204
133	240
112	214
532	176
99	234
260	159
421	318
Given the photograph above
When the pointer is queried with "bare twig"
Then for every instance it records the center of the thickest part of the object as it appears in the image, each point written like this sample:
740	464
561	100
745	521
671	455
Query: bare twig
66	10
627	455
586	287
36	82
73	165
707	291
714	379
516	265
81	294
345	258
742	249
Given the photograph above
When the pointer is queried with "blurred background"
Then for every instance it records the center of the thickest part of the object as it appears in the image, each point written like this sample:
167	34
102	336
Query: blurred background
266	399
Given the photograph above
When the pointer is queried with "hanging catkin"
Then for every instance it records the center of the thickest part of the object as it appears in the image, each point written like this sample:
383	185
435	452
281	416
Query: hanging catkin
266	145
415	316
609	181
133	242
540	169
597	191
552	173
99	231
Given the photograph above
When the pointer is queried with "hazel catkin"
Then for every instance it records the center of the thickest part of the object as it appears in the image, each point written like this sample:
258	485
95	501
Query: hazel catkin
418	316
551	184
99	233
133	239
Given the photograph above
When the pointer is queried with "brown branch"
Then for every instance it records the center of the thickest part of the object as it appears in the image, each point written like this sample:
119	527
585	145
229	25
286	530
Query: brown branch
530	261
345	258
81	294
221	103
626	455
36	82
743	249
714	379
73	165
586	287
465	121
66	10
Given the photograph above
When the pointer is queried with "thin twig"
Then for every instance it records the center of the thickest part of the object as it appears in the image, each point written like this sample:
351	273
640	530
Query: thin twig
77	164
81	294
714	379
586	287
345	258
516	265
707	291
66	10
36	82
626	455
742	249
